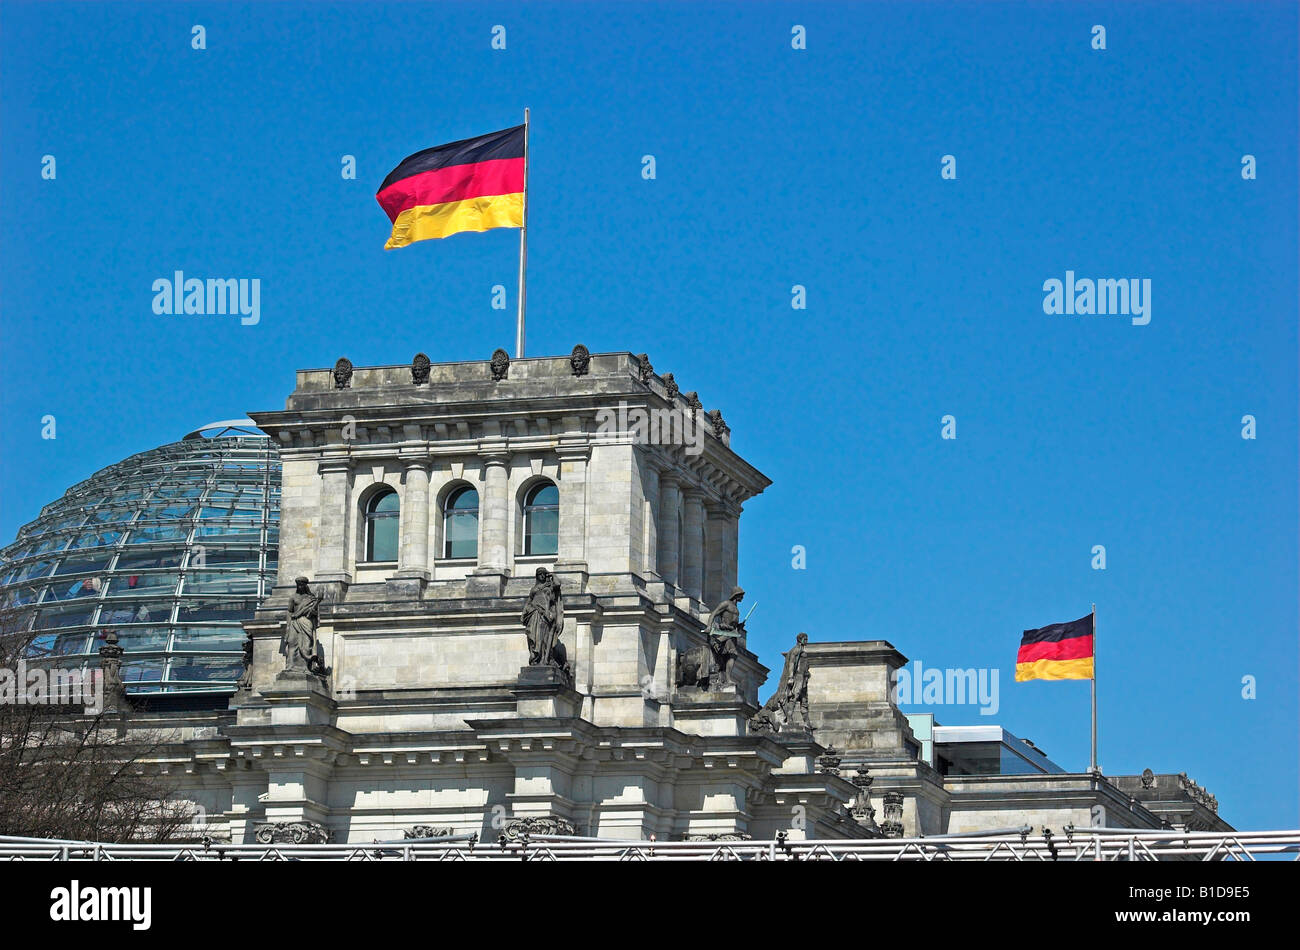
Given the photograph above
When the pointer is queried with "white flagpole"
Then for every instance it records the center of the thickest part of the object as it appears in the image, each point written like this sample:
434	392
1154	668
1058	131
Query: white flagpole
1093	769
523	250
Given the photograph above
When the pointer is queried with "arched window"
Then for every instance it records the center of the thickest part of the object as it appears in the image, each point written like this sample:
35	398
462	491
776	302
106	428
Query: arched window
542	519
381	526
460	524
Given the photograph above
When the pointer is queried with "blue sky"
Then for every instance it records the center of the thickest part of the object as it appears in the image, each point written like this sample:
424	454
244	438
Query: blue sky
775	167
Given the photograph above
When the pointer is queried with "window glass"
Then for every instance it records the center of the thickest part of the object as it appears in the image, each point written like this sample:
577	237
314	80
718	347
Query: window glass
460	524
542	520
211	582
124	585
381	527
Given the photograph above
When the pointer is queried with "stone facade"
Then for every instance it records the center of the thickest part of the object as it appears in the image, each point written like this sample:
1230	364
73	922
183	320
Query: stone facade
429	717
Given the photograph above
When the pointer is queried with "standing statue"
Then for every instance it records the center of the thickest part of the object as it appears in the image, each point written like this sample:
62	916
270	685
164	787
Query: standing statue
543	618
787	709
794	685
724	630
299	644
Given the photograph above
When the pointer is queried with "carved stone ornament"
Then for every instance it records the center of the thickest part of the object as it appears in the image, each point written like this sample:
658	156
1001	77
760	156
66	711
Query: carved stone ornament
426	831
110	665
500	364
291	832
420	369
829	762
644	370
580	360
892	826
517	829
720	428
1148	778
693	400
343	373
670	384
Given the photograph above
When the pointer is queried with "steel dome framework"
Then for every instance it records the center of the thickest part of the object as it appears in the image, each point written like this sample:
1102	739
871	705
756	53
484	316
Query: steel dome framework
171	549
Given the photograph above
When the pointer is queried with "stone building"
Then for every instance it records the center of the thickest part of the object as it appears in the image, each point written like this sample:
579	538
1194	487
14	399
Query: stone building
420	500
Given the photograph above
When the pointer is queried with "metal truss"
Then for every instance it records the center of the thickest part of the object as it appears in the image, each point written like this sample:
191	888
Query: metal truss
1091	844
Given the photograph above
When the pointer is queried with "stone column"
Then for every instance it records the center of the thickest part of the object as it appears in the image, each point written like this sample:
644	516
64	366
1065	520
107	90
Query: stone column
572	485
715	561
692	568
334	520
494	511
414	553
670	500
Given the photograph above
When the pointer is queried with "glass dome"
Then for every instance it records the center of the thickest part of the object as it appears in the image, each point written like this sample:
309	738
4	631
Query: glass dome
171	548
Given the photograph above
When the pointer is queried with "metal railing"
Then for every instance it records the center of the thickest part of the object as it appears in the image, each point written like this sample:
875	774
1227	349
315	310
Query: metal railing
1091	844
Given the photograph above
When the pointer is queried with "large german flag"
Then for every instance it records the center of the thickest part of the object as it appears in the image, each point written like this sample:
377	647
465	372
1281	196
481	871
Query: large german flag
1062	651
471	185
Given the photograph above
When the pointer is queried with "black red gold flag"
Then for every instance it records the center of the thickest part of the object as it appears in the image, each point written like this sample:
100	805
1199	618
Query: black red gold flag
471	185
1060	651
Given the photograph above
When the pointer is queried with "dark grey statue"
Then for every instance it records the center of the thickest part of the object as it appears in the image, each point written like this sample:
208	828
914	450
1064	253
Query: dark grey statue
299	644
787	709
724	630
543	619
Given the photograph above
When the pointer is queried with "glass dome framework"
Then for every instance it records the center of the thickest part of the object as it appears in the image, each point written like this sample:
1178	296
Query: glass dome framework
171	549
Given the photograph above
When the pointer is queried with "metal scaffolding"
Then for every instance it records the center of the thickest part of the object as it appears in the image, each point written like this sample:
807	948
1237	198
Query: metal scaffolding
1070	844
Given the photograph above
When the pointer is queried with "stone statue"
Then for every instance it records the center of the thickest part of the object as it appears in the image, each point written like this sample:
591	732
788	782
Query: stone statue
543	619
299	644
787	709
724	630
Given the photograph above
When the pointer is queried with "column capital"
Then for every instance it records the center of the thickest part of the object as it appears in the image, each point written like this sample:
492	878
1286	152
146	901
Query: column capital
669	477
494	456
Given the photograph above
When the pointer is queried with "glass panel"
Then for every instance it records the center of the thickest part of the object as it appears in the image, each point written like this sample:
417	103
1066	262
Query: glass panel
206	669
74	615
143	560
97	539
245	559
93	564
149	533
227	532
141	611
462	534
126	584
386	502
544	495
194	610
20	596
71	590
212	582
209	638
140	639
142	671
463	498
543	532
383	538
34	569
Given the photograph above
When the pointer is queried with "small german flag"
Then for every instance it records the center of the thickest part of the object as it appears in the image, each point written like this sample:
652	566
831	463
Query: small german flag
1061	651
471	185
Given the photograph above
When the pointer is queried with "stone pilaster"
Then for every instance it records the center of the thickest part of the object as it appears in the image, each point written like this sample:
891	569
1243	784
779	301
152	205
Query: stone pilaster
335	520
494	529
692	568
414	552
670	500
572	485
650	492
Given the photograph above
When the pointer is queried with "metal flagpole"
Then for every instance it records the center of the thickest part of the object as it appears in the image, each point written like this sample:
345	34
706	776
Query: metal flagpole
523	250
1093	768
